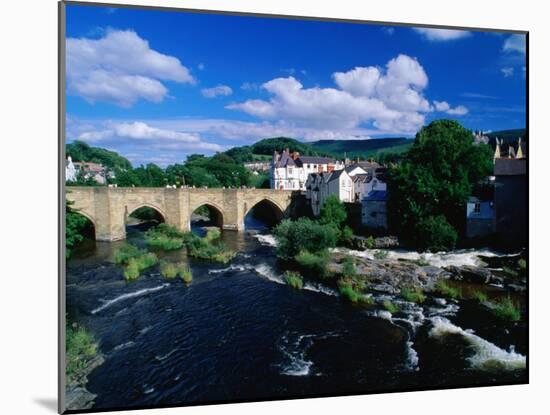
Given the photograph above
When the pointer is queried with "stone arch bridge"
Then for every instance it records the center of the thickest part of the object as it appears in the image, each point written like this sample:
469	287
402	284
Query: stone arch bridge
108	207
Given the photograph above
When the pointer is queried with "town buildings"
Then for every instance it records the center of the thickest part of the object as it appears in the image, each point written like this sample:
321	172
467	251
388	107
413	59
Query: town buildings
289	171
86	170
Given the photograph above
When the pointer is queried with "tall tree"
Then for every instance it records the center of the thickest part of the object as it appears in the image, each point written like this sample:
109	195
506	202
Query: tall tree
429	189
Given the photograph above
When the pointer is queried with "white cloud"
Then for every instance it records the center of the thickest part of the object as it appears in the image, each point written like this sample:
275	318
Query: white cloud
507	72
442	35
515	43
390	98
443	106
220	90
120	68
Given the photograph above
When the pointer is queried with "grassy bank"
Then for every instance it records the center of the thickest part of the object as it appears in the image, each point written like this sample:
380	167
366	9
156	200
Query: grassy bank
81	348
134	260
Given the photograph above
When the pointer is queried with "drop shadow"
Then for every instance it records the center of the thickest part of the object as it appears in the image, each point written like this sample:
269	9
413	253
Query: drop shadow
48	403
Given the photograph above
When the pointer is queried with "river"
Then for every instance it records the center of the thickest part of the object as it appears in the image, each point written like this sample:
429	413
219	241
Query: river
239	333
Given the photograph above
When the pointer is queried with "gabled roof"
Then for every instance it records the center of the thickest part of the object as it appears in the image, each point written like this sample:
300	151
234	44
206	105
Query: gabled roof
336	175
362	177
285	160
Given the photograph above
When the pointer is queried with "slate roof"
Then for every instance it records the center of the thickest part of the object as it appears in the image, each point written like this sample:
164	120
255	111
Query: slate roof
314	160
362	177
376	196
510	167
335	175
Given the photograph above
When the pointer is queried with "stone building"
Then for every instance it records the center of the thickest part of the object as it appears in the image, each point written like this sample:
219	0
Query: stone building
374	211
289	171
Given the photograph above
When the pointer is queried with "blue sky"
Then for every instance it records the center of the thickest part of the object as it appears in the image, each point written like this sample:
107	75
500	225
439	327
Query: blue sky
156	86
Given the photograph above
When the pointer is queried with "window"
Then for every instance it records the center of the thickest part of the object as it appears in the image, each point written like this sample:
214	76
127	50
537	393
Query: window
477	207
290	170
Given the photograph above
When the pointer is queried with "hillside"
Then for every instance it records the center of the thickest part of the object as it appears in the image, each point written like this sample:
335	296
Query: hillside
80	151
364	148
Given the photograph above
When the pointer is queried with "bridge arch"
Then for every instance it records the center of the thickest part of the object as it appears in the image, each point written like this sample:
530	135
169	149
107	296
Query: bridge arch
129	209
215	214
265	209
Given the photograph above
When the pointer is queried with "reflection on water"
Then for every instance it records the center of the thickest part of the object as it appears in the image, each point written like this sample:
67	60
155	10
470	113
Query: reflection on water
238	332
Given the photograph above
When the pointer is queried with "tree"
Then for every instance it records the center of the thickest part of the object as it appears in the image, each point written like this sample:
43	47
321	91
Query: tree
303	234
74	224
333	212
435	180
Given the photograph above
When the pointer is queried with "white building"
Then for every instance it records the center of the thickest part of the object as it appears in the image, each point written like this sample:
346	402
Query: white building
290	171
70	170
363	184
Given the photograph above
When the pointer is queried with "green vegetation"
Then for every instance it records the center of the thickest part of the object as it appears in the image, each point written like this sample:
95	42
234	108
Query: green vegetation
443	288
81	347
185	274
80	151
315	264
429	188
370	242
380	255
206	249
506	309
522	264
168	270
164	237
479	296
294	279
510	272
348	268
364	148
414	295
391	307
333	213
75	224
213	234
135	260
303	234
351	294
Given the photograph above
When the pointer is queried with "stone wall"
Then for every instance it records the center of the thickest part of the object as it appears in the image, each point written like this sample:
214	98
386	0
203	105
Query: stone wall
108	207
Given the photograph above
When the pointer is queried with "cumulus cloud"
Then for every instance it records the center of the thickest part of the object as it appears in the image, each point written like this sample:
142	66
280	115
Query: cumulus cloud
120	68
141	135
390	98
515	43
507	72
443	106
220	90
441	35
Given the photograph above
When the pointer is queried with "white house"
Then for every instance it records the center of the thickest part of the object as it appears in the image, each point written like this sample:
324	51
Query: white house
290	171
70	170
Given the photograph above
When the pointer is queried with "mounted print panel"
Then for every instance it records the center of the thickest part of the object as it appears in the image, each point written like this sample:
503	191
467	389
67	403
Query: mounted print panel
274	207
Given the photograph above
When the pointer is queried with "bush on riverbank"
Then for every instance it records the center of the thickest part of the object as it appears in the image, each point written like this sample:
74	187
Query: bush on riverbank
168	270
479	296
413	295
165	237
506	309
348	268
205	248
127	251
80	348
134	260
351	294
303	234
185	274
315	264
443	288
391	307
294	279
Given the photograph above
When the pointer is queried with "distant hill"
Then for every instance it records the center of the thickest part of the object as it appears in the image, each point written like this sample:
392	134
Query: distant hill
364	148
507	136
80	151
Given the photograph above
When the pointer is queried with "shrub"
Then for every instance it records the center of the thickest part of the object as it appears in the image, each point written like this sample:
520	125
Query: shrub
391	307
506	309
136	264
348	268
126	252
202	248
413	295
165	237
380	255
522	264
479	296
81	347
314	263
131	270
445	289
370	242
168	230
213	234
294	279
168	270
346	235
146	261
185	274
435	234
303	234
350	294
333	212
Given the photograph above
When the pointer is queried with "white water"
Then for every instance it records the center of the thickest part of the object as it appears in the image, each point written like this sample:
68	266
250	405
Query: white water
487	356
438	259
319	288
108	303
266	239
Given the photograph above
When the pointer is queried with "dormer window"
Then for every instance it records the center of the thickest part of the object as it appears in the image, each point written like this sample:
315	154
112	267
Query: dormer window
477	207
